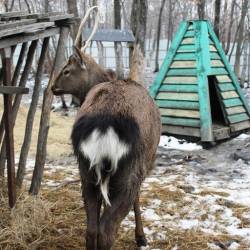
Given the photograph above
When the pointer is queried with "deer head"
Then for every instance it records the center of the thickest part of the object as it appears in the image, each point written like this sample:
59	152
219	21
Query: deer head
81	72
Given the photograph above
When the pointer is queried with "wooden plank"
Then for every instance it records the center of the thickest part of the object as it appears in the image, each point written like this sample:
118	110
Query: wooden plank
182	72
226	86
13	90
186	48
189	40
238	118
235	110
214	55
189	33
13	13
240	126
212	48
229	94
204	68
178	104
184	88
184	57
218	71
177	96
232	102
26	29
229	69
19	17
179	130
188	122
181	79
183	64
180	113
16	24
217	63
21	38
223	78
168	59
221	133
56	17
190	27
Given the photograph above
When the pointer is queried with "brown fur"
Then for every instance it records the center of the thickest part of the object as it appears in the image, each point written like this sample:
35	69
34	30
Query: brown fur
101	94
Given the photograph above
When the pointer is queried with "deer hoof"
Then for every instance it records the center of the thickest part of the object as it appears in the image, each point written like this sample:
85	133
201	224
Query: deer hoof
141	241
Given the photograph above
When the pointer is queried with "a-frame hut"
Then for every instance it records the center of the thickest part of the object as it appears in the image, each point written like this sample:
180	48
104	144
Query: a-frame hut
196	90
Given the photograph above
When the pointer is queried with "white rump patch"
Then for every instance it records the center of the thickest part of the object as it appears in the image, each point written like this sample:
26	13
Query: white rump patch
98	146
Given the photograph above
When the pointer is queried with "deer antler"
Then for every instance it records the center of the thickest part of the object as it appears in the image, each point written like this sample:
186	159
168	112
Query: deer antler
82	24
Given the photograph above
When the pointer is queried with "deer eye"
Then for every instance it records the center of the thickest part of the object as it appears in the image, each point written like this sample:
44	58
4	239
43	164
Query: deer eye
66	72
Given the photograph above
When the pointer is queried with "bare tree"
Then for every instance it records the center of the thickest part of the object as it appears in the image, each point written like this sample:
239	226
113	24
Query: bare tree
158	36
118	45
240	36
217	5
170	23
201	9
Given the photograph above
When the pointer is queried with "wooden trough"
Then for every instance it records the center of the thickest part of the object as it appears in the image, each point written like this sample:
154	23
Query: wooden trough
27	29
196	90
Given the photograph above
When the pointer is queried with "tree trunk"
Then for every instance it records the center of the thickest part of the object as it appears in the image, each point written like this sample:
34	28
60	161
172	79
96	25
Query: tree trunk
118	45
244	68
230	27
170	23
138	25
158	37
201	9
138	22
223	26
217	5
240	37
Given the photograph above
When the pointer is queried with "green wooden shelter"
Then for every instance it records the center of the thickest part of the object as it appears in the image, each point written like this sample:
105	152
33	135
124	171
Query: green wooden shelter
196	90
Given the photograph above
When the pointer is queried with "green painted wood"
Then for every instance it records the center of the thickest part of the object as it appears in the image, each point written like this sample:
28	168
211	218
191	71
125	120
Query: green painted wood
180	80
189	33
181	121
191	27
180	113
235	110
178	104
229	94
203	67
168	59
177	96
183	48
184	56
182	72
218	71
228	67
223	78
217	63
185	88
238	118
214	56
226	86
232	102
183	65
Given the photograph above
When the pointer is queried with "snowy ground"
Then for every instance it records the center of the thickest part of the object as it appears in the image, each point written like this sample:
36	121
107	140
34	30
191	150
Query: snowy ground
190	189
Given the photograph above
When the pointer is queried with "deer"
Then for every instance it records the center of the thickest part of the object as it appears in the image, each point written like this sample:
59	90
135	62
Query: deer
115	138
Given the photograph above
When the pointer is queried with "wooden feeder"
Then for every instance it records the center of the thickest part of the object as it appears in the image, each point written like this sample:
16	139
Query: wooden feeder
196	90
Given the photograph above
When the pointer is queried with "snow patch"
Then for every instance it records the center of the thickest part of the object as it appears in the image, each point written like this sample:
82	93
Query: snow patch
171	142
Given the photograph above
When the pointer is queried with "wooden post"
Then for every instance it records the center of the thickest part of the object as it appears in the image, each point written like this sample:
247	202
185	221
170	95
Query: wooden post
18	98
31	115
45	116
14	81
9	129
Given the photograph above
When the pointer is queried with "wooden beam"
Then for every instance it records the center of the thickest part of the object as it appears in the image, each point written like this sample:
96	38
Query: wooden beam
180	113
13	90
232	102
177	96
240	126
175	104
181	79
179	130
186	122
21	38
184	88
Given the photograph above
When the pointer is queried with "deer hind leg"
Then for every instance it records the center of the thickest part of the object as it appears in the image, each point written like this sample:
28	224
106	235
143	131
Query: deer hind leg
112	218
93	201
139	233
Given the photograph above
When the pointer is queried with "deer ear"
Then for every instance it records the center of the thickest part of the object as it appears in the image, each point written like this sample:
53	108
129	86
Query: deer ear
78	56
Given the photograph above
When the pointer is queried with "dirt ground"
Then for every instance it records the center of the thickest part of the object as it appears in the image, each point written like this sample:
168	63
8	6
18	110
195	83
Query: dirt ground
194	199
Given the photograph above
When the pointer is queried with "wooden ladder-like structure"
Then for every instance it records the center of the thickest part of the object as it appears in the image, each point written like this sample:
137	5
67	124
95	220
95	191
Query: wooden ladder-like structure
20	28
